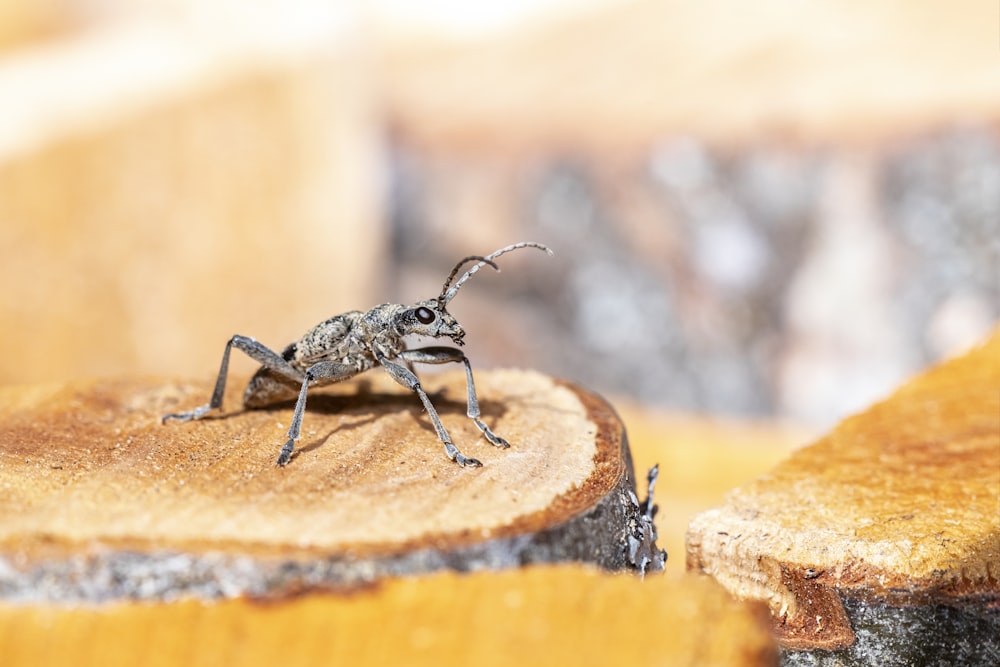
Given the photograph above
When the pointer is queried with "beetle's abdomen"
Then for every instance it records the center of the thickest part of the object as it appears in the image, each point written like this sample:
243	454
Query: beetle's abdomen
327	341
266	388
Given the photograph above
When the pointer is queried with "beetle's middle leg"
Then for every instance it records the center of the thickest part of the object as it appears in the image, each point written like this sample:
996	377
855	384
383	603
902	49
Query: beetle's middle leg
267	357
444	355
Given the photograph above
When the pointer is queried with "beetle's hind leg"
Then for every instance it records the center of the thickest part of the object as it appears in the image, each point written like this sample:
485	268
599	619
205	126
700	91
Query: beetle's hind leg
265	356
324	370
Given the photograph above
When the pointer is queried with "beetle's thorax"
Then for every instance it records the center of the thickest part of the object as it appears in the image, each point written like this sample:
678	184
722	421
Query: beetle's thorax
375	330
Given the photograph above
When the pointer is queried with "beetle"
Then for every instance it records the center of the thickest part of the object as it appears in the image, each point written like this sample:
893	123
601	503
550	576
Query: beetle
353	342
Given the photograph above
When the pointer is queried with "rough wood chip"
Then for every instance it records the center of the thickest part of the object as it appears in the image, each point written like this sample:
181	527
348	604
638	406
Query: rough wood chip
897	508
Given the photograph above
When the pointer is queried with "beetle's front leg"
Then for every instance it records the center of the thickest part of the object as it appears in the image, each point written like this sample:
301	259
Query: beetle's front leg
409	379
444	355
260	353
324	370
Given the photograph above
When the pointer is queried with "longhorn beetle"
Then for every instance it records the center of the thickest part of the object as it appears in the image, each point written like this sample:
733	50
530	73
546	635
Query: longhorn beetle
353	342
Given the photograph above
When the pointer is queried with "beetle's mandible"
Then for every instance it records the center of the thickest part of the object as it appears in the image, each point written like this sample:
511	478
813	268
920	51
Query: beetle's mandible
353	342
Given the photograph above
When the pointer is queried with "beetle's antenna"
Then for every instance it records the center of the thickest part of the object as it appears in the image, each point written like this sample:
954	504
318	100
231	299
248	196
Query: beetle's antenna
454	272
447	294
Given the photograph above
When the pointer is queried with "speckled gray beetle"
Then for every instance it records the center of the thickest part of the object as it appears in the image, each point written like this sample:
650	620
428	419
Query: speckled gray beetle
353	342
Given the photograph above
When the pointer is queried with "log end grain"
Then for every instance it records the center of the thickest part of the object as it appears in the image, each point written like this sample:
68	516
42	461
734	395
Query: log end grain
100	500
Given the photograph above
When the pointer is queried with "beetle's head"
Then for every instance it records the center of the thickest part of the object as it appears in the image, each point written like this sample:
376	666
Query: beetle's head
430	318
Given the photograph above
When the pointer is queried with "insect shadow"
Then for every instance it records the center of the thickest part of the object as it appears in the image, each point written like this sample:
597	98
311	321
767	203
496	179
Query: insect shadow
364	407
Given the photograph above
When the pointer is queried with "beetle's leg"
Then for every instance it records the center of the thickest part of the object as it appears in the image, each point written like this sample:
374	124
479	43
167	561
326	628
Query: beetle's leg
264	355
409	379
324	370
443	355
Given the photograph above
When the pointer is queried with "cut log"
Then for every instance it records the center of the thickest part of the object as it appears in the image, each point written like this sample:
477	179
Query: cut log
881	541
99	500
159	169
546	615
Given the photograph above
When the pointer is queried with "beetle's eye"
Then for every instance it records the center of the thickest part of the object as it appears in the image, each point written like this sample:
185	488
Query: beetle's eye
425	315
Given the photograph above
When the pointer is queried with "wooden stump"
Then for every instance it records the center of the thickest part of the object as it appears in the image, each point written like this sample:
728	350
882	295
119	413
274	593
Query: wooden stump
880	542
101	501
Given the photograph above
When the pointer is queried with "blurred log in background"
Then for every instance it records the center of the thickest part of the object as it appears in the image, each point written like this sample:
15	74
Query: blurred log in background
773	212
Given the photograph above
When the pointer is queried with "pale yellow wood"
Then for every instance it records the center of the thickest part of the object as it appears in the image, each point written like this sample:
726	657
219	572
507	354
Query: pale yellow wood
539	616
700	459
22	23
166	183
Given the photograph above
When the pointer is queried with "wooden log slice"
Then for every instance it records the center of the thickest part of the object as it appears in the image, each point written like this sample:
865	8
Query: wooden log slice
880	542
99	500
542	615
